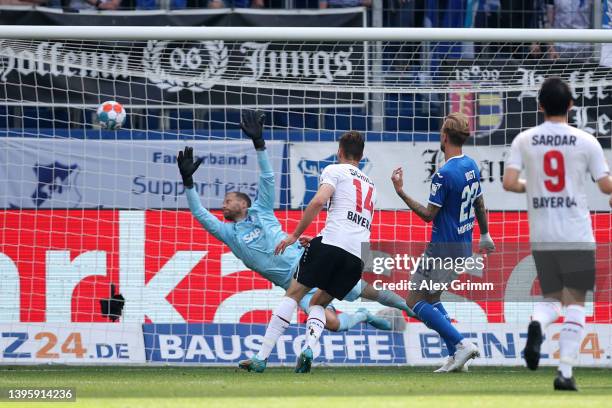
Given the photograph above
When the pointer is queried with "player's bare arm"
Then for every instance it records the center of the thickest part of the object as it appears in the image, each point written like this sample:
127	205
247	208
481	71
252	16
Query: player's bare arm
513	182
314	208
428	213
605	184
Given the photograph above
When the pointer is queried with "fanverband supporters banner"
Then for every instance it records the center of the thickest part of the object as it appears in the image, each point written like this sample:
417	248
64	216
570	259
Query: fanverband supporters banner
149	74
60	173
498	115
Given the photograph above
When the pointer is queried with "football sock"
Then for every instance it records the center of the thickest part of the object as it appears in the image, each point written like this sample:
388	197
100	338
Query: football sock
570	338
449	345
434	320
546	312
314	325
350	320
278	323
392	299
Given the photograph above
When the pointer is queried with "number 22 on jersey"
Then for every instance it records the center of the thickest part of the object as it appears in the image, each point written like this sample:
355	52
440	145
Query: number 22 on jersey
468	195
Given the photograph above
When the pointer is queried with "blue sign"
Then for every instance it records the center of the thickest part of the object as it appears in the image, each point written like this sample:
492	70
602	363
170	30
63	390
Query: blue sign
230	343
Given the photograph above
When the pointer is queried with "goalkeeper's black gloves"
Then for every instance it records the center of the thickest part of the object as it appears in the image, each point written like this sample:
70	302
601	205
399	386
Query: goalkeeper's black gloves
187	166
252	125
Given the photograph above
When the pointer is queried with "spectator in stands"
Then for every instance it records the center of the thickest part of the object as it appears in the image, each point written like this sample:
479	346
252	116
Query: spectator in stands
575	14
515	14
160	4
235	4
22	2
323	4
76	5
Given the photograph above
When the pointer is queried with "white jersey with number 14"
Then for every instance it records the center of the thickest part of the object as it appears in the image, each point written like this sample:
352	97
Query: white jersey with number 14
351	207
558	160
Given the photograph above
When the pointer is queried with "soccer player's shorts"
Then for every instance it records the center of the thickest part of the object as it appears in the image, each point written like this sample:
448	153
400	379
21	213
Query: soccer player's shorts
573	269
429	274
329	268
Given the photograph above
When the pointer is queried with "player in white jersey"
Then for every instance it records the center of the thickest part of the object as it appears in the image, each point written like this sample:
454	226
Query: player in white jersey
332	261
557	160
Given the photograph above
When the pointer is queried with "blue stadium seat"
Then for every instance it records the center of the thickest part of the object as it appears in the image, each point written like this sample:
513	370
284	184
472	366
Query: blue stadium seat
346	119
5	118
225	119
181	119
43	117
307	119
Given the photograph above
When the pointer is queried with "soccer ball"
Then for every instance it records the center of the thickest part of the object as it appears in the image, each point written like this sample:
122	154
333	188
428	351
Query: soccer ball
111	115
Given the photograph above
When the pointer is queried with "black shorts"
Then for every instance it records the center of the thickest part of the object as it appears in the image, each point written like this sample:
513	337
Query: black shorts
330	268
565	269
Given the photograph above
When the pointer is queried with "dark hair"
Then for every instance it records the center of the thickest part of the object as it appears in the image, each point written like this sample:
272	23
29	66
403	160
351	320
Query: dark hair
457	127
555	97
352	144
243	196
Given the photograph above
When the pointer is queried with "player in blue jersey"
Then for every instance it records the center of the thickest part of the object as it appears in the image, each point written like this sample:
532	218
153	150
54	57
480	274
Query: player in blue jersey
253	232
455	202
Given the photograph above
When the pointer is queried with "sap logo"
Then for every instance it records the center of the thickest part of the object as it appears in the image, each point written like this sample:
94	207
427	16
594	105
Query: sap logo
56	179
251	236
312	169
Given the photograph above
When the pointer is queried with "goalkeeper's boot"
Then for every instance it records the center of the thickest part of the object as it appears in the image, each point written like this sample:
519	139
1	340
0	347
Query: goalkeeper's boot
465	351
304	361
531	352
564	384
378	322
253	364
449	363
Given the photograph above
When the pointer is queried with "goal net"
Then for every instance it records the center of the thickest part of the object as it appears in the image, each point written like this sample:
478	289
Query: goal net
85	208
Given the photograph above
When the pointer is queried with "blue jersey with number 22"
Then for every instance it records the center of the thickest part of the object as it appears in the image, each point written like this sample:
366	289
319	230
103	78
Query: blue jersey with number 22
454	188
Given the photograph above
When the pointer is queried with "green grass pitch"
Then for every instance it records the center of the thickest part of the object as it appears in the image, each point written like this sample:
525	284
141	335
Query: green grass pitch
154	387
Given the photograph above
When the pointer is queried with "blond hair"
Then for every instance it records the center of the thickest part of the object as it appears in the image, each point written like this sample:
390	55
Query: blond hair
457	127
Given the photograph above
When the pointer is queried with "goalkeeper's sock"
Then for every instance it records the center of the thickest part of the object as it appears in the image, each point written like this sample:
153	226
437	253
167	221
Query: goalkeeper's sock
546	312
392	299
434	320
278	323
570	338
314	325
449	345
350	320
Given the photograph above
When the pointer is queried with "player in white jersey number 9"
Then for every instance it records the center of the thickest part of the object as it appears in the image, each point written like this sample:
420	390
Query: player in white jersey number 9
556	158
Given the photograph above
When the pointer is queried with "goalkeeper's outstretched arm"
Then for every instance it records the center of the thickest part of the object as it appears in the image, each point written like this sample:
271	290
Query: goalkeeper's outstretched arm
252	125
210	223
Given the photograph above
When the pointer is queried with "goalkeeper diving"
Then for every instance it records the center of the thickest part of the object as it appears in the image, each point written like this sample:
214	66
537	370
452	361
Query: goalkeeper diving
253	232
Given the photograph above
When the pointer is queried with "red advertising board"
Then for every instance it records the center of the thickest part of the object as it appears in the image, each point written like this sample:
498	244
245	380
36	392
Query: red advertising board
36	244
